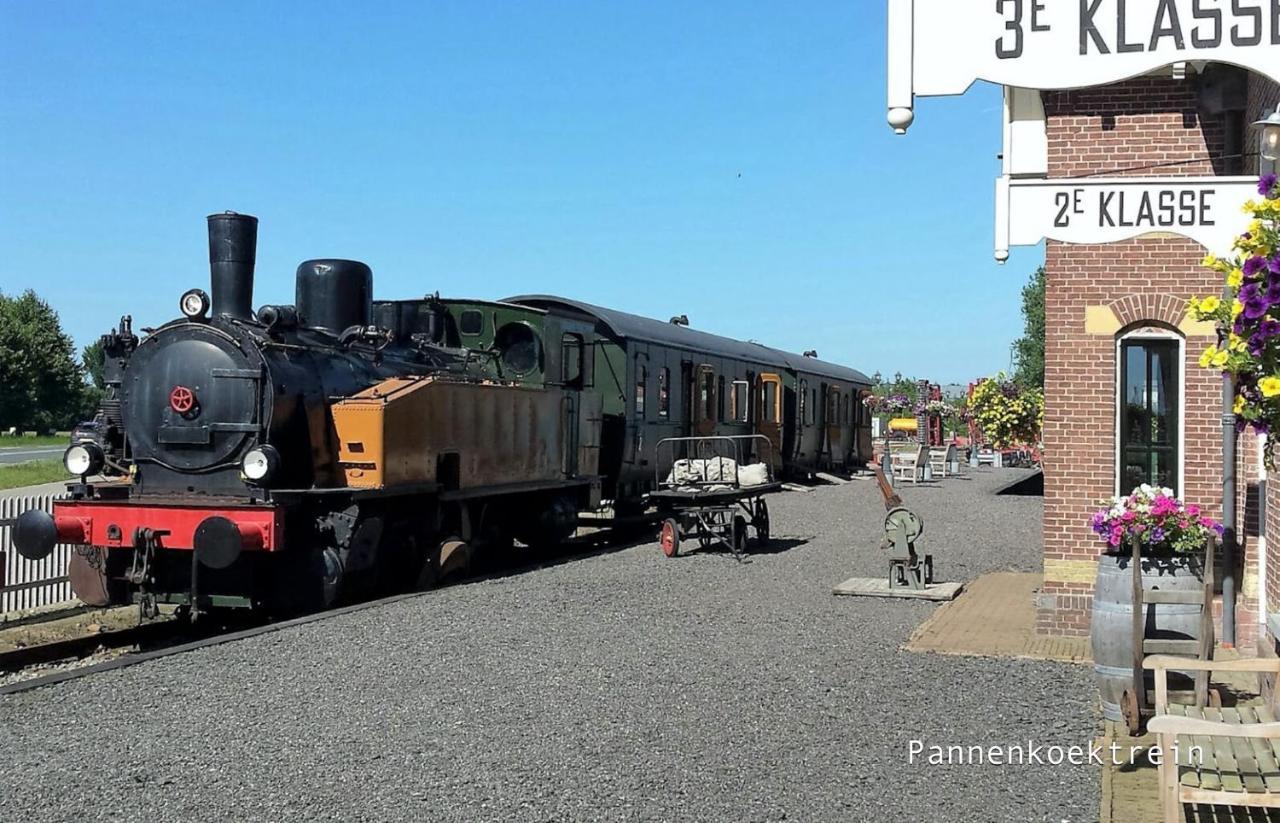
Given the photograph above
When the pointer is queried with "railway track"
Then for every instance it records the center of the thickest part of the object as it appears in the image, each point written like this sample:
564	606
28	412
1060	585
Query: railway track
161	639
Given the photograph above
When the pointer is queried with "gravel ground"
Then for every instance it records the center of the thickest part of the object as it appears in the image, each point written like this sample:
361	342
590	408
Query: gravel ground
617	686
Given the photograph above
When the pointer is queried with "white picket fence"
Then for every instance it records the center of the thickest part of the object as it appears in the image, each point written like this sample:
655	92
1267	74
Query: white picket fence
26	584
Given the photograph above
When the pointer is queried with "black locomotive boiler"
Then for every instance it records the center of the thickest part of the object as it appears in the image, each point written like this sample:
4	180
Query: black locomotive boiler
286	458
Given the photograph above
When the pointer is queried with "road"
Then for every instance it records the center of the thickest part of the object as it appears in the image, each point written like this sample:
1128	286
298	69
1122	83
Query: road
21	454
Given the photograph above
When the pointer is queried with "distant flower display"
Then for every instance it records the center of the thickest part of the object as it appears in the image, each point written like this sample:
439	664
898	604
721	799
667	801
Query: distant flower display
1248	347
891	404
1155	518
1007	414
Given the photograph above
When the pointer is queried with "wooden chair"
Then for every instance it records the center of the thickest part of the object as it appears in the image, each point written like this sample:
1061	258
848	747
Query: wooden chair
1134	705
940	460
910	465
1224	757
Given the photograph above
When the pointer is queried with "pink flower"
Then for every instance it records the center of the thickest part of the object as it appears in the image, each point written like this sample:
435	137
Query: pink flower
1192	510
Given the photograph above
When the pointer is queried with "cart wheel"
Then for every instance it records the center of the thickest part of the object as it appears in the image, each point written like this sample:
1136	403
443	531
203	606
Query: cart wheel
1129	711
669	537
739	535
761	521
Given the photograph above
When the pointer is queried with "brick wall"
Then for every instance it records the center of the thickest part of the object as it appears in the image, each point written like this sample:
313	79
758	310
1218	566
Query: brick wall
1123	130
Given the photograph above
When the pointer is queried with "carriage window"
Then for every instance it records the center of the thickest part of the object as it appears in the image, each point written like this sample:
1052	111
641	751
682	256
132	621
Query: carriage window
770	402
720	400
641	376
471	322
813	405
664	392
707	397
833	407
571	359
741	405
803	416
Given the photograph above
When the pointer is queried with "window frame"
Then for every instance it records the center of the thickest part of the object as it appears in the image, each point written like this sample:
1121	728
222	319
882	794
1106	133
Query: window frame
1155	334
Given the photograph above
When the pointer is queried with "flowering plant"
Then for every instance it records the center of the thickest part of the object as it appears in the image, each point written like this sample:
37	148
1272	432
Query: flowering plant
937	408
892	404
1006	413
1155	518
1248	319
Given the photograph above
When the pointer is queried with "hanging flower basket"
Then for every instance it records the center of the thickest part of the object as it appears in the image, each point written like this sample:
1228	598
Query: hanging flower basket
1248	320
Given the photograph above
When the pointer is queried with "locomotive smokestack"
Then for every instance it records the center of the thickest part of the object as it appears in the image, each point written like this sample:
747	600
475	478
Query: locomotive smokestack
233	249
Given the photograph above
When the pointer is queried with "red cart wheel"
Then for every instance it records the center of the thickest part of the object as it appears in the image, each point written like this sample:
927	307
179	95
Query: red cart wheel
669	538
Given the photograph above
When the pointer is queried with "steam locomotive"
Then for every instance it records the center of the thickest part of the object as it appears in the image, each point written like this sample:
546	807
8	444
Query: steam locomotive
282	459
343	446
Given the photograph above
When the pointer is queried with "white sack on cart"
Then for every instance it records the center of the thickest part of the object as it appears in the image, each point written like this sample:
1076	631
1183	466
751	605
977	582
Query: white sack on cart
717	470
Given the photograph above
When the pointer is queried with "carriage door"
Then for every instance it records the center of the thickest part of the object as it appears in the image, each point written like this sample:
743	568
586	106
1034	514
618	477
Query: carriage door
702	392
835	430
769	414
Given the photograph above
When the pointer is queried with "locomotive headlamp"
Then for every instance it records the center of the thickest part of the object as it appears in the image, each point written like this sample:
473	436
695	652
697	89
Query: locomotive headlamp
194	303
83	459
1269	139
260	464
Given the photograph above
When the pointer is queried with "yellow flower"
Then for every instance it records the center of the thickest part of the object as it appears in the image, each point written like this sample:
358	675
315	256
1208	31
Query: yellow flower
1207	356
1210	304
1220	360
1236	308
1239	404
1209	261
1235	279
1249	207
1270	386
1235	342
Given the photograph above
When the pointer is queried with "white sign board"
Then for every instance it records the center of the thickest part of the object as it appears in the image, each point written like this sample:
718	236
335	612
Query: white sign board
941	47
1106	210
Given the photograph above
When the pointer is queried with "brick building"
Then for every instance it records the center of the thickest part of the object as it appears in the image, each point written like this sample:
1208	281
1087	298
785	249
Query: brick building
1117	328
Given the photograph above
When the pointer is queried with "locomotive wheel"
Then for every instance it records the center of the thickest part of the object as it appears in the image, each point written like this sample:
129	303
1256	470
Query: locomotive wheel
762	522
669	537
453	558
739	535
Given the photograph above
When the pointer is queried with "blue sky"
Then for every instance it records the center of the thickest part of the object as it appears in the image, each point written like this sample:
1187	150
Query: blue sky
726	160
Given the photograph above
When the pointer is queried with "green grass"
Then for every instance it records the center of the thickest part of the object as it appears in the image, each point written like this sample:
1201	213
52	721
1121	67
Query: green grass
32	473
20	442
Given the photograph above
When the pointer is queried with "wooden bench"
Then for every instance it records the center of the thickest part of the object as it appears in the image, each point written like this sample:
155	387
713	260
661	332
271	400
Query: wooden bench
1225	757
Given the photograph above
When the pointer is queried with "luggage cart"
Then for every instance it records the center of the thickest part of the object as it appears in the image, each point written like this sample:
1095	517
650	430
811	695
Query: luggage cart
714	508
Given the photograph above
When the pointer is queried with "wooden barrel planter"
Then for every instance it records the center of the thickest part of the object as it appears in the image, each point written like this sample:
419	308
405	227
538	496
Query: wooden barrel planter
1111	632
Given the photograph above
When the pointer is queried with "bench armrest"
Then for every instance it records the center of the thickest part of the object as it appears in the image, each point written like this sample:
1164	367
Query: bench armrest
1158	662
1175	724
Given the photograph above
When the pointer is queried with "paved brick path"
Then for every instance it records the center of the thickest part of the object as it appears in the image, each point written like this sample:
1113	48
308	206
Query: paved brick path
995	617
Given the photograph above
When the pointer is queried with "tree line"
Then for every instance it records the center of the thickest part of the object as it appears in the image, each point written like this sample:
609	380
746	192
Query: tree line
45	384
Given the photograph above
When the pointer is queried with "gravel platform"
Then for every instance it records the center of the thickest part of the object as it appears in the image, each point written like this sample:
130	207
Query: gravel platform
615	686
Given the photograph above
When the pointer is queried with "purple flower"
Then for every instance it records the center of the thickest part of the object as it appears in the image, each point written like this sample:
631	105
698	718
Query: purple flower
1157	535
1248	291
1256	308
1254	265
1260	427
1266	184
1274	264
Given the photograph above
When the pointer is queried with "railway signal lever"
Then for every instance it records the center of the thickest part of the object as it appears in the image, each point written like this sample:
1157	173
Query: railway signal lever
902	527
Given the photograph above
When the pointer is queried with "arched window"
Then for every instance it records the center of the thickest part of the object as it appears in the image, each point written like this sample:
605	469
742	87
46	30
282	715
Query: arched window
664	392
1149	408
720	399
